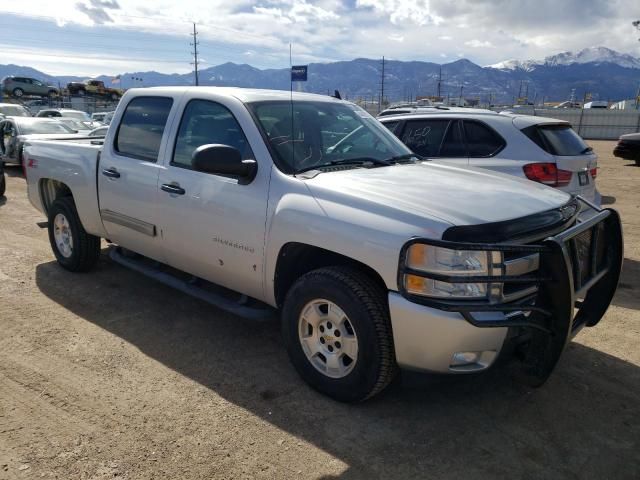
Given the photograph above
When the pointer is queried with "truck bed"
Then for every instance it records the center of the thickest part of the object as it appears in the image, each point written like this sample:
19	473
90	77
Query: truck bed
72	162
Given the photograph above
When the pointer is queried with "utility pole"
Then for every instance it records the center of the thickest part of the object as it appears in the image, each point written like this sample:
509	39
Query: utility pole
195	52
439	91
381	87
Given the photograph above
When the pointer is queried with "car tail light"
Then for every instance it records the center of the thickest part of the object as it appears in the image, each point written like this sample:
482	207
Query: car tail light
547	173
594	172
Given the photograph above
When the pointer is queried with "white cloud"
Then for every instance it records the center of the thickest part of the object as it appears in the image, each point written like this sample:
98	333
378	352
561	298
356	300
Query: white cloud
445	37
396	38
399	11
475	43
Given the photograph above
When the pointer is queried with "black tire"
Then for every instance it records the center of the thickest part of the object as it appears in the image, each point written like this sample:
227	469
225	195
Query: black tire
638	162
18	92
86	247
115	96
52	94
365	304
3	184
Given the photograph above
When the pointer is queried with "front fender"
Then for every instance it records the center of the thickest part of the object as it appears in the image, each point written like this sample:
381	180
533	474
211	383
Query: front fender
362	235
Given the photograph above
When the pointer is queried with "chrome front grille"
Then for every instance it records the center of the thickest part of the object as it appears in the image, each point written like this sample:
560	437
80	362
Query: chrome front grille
518	266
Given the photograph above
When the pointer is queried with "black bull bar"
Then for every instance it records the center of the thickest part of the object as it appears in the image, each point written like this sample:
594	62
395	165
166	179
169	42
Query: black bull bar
578	274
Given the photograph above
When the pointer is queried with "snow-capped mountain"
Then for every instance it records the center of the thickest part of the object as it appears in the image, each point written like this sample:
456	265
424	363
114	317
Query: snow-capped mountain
587	55
513	64
594	55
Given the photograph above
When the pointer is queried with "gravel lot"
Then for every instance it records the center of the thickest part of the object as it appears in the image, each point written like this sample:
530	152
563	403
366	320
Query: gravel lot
110	374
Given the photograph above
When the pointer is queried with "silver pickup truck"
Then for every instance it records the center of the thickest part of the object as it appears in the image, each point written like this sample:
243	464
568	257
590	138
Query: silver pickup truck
260	201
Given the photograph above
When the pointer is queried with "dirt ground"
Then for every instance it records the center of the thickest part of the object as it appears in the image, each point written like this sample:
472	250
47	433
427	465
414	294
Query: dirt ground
112	375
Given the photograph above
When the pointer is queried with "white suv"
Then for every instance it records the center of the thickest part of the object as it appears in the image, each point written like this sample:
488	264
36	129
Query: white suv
541	149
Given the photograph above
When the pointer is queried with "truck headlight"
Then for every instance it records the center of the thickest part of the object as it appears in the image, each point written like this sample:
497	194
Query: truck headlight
438	261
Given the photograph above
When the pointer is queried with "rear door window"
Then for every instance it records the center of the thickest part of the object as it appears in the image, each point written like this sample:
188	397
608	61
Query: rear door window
453	145
424	137
482	141
142	126
559	140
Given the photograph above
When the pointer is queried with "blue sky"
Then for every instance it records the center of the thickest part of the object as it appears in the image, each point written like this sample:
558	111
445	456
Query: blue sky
90	37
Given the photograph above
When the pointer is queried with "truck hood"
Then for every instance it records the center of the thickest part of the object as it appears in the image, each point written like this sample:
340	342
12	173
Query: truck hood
440	192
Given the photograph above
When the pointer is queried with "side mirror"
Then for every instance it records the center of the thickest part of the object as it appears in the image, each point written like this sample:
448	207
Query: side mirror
224	160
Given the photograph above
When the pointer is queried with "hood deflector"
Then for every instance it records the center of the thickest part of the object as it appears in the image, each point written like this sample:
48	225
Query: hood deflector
531	226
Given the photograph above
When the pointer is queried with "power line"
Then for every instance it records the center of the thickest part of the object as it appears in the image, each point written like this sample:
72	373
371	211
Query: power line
381	87
195	52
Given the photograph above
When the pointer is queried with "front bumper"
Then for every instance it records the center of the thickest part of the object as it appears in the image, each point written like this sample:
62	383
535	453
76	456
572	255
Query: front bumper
577	277
427	338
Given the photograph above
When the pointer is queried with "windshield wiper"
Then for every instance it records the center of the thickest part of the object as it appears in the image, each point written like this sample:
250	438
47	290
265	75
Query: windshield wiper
348	161
586	150
406	156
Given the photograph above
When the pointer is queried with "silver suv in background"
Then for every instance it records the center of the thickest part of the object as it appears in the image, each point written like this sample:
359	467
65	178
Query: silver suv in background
20	86
544	150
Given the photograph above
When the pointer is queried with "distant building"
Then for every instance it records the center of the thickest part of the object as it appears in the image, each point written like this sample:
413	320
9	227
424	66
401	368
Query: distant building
631	104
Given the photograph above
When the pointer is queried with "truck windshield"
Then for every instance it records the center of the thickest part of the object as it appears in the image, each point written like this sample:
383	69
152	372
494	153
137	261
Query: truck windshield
324	133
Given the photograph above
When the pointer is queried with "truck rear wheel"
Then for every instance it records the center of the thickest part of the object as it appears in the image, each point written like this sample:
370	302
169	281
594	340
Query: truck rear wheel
336	328
74	248
3	183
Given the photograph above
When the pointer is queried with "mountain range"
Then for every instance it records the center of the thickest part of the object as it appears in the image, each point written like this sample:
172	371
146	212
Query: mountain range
600	71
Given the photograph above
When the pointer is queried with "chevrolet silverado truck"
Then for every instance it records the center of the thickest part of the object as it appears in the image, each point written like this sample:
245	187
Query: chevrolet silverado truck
263	201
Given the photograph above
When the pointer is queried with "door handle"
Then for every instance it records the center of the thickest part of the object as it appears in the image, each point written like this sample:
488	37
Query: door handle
170	188
111	173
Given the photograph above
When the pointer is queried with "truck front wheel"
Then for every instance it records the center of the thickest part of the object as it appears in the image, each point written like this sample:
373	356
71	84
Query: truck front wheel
74	248
336	327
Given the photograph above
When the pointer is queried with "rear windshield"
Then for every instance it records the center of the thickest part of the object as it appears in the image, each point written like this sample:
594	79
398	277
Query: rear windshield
44	127
14	111
557	139
76	115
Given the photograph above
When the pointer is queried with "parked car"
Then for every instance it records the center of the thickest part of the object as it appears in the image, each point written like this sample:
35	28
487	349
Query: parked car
13	110
3	180
568	104
94	87
15	131
107	118
82	127
65	112
99	132
305	203
628	147
596	104
98	116
34	106
541	149
20	86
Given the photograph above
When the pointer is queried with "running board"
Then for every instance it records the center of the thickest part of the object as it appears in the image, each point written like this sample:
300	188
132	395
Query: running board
261	313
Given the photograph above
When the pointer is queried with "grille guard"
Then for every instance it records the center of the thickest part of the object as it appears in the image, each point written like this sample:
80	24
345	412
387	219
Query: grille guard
552	308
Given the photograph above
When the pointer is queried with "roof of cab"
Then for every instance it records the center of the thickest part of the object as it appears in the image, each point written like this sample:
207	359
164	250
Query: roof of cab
242	94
